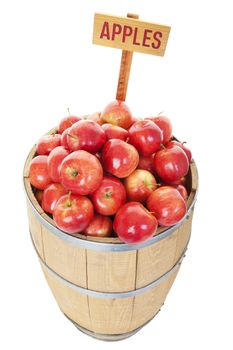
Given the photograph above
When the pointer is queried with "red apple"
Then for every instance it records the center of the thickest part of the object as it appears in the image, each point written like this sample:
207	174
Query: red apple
54	162
67	122
109	197
100	226
38	172
115	132
51	194
182	191
146	163
38	195
47	143
117	113
165	125
81	172
86	135
139	185
64	138
181	181
135	119
146	136
167	204
171	164
181	145
134	224
73	213
119	158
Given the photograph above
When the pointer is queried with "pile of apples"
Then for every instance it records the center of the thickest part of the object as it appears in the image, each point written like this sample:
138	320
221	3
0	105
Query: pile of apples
109	174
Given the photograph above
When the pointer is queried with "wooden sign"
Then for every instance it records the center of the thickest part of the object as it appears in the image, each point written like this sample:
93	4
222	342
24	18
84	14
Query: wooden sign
130	34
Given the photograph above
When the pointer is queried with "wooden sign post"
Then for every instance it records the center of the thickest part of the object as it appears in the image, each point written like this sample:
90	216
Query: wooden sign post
125	67
129	34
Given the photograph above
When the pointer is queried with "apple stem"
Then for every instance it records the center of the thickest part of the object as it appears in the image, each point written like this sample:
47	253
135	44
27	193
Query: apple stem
69	200
72	136
68	111
159	114
108	194
162	146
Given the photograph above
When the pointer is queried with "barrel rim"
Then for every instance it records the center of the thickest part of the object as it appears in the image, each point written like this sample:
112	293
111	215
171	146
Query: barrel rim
107	247
87	243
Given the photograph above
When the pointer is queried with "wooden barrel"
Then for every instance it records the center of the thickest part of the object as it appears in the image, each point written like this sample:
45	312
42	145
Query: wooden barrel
108	289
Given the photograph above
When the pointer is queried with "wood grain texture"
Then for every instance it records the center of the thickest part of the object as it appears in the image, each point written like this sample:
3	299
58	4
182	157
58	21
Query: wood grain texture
74	305
147	305
68	260
111	271
125	67
194	176
36	232
183	237
107	272
130	34
157	259
111	316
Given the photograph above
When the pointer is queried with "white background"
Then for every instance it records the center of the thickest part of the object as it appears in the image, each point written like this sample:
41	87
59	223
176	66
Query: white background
48	63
